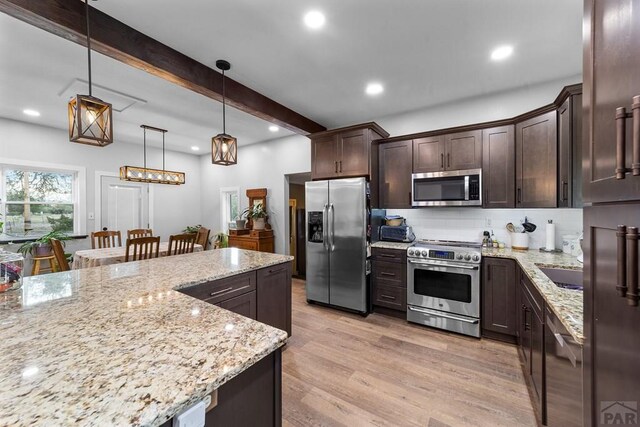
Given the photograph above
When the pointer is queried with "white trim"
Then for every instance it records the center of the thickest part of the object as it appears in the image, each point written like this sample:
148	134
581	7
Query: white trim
98	198
225	190
80	186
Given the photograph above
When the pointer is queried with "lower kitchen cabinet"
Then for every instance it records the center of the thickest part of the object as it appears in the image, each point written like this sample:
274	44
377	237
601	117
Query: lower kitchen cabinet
499	283
389	281
274	296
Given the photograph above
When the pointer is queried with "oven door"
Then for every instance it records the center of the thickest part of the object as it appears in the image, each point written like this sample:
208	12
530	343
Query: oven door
451	188
444	287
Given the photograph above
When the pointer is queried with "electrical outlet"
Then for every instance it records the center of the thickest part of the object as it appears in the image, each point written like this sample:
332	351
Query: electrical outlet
487	222
91	215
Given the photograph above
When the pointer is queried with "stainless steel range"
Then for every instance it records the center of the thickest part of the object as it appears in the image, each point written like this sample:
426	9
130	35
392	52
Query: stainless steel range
443	285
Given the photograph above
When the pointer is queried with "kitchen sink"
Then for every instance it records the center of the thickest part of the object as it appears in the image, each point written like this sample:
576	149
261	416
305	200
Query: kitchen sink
567	279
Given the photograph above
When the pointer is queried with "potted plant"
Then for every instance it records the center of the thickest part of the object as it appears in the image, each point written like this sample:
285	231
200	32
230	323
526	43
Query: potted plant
221	240
192	228
258	214
42	246
241	223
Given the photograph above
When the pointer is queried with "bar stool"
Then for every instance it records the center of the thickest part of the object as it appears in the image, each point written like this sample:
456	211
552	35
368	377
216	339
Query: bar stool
37	264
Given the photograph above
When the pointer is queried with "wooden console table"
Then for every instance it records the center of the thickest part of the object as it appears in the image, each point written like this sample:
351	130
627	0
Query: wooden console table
261	241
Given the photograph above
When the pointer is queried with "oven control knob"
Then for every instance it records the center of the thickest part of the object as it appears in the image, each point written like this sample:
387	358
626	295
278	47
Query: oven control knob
424	253
476	258
467	257
459	256
410	251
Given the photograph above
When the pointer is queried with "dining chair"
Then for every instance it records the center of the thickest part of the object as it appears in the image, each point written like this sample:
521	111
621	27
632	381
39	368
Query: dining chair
139	232
61	258
106	239
181	244
142	248
203	237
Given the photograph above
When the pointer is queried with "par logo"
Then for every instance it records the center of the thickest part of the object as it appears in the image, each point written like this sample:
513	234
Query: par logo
619	413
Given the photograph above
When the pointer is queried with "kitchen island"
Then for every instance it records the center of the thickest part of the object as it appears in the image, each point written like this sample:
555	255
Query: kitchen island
120	345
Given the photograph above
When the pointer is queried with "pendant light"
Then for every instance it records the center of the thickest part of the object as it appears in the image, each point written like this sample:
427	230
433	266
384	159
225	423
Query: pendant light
145	174
224	147
89	117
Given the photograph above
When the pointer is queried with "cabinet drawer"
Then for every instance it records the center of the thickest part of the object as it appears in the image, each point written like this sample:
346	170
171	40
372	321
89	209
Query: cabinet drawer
223	289
390	255
243	244
244	305
390	273
390	297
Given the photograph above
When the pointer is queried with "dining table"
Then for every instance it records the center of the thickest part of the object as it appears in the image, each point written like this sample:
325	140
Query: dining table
96	257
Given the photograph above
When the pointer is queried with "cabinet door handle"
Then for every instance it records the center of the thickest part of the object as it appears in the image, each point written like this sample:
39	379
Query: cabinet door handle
632	266
221	292
621	139
389	297
384	273
336	166
441	160
635	113
519	196
386	256
565	191
340	166
621	286
410	199
448	160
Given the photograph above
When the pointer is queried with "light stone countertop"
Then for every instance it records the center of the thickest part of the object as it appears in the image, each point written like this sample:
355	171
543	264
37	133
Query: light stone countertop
392	245
565	303
117	345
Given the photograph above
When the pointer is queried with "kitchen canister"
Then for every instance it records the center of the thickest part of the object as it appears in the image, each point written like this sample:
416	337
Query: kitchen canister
569	243
520	241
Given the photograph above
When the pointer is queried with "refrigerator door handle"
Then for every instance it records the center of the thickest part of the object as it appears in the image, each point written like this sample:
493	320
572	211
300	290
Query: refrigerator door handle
331	227
325	229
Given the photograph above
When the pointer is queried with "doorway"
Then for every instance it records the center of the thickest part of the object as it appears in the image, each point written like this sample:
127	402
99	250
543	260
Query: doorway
297	220
123	205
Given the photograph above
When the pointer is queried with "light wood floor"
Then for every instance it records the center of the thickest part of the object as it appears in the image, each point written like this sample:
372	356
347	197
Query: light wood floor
341	369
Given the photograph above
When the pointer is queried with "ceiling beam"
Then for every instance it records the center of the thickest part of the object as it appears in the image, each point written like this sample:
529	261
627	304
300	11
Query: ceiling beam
66	18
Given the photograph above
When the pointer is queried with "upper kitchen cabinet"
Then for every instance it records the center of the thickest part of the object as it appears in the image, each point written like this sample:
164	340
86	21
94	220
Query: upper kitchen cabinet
344	152
498	167
456	151
570	149
395	160
611	83
536	162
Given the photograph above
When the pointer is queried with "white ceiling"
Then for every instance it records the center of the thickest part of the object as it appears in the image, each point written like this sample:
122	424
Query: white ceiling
40	71
425	52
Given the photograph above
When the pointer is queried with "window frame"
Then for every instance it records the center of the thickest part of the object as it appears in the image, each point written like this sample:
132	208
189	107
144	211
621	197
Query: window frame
78	187
225	193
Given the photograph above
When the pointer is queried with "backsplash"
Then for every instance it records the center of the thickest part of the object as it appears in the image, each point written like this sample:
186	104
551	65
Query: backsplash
469	223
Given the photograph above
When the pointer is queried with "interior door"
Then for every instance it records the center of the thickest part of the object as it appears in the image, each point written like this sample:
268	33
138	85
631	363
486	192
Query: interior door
348	228
123	205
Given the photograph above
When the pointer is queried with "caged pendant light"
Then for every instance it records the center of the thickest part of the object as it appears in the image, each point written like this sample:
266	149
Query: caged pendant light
90	119
153	176
224	147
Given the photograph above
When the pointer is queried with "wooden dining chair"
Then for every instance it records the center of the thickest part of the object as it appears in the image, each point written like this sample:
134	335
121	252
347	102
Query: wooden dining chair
142	248
181	244
61	258
139	232
203	237
106	239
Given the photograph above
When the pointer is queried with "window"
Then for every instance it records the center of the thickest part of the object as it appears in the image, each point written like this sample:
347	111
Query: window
229	209
37	201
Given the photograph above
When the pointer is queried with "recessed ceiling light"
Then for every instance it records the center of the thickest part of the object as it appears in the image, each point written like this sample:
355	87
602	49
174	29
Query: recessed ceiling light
274	128
501	52
195	148
30	112
314	19
374	89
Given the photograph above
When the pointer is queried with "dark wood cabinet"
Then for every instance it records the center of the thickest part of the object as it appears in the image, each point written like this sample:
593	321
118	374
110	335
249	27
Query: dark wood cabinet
463	150
345	152
611	80
244	304
498	167
536	162
274	296
570	152
499	298
389	281
428	154
395	162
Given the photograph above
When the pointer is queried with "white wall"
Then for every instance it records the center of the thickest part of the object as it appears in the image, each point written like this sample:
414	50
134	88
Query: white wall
174	206
468	223
261	165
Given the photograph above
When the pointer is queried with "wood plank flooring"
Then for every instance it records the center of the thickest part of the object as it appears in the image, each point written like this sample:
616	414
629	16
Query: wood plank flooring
341	369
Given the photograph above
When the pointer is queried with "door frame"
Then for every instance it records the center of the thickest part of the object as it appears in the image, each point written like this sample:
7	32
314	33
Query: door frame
293	234
98	197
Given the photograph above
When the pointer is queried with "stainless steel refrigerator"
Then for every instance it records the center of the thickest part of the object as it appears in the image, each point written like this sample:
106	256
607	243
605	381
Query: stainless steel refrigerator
336	245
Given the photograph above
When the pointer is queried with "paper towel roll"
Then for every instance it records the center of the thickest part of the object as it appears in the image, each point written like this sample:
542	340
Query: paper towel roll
551	236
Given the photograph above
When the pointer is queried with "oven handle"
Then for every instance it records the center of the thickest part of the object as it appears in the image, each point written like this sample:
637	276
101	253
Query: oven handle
465	267
445	315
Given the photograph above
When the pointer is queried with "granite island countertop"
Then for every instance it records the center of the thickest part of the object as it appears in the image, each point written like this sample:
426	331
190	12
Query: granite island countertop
565	303
118	345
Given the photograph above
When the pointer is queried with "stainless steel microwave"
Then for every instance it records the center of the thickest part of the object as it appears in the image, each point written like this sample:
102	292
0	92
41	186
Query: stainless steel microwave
449	188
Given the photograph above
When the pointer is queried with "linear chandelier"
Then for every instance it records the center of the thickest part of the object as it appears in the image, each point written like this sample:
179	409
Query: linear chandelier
90	118
149	175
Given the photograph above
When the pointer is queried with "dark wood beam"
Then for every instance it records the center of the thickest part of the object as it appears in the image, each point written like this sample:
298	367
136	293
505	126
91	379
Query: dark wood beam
66	18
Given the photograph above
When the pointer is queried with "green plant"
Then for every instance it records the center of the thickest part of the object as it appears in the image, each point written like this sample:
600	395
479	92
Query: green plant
221	240
255	211
192	228
29	247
